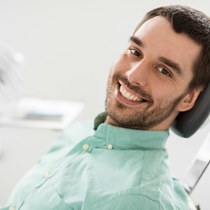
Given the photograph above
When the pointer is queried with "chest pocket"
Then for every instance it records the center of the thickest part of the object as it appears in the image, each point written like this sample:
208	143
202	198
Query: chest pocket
45	198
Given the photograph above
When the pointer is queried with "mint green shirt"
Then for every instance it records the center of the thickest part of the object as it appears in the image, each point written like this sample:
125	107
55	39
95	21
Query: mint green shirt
111	169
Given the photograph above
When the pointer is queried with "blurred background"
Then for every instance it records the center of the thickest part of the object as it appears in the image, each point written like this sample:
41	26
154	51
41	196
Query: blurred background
68	48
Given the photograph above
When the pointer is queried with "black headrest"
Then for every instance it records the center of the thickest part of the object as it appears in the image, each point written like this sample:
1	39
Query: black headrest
187	123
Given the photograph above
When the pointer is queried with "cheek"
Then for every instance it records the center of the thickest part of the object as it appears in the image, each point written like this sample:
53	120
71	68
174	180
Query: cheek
164	98
162	94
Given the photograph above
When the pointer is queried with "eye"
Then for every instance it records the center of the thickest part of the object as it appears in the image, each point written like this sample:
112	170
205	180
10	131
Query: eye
164	71
135	52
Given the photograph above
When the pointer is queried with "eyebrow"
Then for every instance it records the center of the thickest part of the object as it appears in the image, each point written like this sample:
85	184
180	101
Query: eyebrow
136	41
175	66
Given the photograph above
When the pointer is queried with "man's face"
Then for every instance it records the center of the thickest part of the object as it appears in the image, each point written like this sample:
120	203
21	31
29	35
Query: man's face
148	84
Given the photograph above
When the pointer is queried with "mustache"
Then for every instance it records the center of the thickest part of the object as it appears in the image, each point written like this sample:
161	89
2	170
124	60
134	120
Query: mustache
134	88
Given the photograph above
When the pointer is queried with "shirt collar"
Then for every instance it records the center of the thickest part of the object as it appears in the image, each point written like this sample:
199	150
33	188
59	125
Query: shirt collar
124	138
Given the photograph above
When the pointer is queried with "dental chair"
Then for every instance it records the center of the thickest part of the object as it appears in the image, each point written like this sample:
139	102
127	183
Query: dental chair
196	171
185	125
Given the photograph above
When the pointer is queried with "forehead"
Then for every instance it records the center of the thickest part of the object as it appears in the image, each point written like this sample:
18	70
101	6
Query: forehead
159	39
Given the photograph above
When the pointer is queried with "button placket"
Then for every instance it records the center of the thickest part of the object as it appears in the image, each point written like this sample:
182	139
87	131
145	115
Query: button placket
46	174
86	147
110	146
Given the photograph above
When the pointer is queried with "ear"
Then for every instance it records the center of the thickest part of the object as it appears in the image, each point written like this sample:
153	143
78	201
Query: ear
189	100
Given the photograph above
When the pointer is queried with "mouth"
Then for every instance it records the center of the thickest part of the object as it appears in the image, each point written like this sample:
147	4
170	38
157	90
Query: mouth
128	97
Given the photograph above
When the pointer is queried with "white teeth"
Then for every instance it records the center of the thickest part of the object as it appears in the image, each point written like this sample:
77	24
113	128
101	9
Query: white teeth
129	95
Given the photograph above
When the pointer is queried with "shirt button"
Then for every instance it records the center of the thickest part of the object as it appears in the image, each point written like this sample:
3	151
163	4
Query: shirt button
86	147
110	146
12	208
46	174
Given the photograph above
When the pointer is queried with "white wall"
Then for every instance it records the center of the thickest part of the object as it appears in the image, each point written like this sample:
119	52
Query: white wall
69	47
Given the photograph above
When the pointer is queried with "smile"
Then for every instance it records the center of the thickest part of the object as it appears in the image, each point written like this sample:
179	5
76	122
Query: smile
127	97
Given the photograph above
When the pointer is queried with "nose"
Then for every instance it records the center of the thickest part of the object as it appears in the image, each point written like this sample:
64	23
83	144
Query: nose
138	74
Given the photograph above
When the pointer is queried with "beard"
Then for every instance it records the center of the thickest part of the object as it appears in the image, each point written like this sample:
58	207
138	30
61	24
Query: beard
144	117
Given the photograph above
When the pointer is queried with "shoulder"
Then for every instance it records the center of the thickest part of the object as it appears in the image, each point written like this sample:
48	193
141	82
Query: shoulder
73	135
67	140
78	131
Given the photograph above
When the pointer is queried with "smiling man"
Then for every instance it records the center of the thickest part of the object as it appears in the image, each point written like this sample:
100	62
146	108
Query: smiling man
149	83
123	164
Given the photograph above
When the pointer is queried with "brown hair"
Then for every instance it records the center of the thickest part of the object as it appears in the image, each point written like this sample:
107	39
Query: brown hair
196	25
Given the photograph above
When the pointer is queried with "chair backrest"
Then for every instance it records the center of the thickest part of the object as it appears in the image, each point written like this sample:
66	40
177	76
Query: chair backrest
187	123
